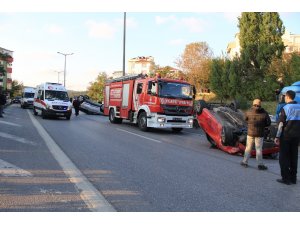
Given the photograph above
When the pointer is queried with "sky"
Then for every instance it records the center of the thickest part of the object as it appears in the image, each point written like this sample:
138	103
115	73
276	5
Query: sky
95	38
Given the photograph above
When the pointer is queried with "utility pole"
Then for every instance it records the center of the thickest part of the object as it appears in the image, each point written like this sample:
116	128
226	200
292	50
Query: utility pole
65	54
124	39
58	72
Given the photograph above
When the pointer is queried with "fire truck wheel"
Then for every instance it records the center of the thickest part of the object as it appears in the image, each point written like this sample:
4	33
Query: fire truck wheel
177	130
142	121
112	117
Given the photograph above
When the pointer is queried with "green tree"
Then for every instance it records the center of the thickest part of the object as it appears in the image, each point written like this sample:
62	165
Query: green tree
261	42
16	88
234	79
295	67
218	79
96	88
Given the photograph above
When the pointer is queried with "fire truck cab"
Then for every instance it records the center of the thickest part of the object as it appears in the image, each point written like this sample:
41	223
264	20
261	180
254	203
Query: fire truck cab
149	102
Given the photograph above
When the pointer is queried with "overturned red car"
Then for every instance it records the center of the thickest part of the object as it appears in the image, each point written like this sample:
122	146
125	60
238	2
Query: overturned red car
226	129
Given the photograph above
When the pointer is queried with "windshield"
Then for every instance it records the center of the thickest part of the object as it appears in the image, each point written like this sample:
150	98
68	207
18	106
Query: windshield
57	95
28	95
175	90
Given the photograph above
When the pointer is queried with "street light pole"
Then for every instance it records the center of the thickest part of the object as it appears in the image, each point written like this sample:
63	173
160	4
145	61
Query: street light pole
124	39
58	72
65	54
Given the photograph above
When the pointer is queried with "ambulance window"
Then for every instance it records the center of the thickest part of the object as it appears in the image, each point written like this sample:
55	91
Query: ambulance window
139	88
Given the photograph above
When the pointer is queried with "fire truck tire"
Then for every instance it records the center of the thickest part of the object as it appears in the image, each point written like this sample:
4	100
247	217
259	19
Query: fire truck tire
177	130
112	117
142	121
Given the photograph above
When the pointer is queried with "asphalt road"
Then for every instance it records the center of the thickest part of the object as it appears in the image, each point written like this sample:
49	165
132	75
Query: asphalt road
133	170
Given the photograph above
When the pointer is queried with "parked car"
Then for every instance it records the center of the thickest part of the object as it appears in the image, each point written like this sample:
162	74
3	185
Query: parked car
225	128
16	99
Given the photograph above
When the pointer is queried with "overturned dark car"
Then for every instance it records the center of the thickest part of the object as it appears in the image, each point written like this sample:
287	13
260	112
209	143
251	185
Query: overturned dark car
226	129
90	107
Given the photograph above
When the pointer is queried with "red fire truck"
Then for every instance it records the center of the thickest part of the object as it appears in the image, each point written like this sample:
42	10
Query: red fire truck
149	102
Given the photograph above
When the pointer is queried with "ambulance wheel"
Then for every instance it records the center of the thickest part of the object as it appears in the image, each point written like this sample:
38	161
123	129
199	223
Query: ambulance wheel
142	121
34	111
43	114
177	130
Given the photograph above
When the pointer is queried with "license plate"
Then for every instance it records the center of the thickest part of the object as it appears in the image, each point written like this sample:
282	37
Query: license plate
59	114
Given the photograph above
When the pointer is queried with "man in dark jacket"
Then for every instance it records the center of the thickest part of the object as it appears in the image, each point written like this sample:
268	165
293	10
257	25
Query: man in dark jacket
2	101
76	105
257	119
288	135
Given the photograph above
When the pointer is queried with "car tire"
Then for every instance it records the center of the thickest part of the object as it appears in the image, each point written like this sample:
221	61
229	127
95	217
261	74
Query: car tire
68	117
199	106
177	130
227	136
142	121
35	112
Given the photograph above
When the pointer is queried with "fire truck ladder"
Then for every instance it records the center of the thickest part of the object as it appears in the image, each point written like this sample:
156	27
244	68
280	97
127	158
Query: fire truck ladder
128	77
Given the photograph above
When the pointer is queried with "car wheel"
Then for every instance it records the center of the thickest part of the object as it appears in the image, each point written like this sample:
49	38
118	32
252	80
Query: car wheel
34	111
199	106
211	141
142	121
177	130
68	117
227	136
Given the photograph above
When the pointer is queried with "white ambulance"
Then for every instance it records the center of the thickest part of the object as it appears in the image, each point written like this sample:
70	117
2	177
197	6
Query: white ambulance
51	99
27	97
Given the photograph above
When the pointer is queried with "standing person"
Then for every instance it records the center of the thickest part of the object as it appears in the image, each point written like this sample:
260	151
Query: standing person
76	104
257	119
288	135
2	101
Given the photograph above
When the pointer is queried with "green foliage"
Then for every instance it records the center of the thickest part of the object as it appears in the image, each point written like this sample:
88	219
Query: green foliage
16	88
96	89
2	71
261	44
217	78
295	68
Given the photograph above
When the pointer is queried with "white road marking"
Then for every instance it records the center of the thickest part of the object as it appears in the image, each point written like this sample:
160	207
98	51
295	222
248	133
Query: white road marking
139	135
10	170
9	123
89	194
16	138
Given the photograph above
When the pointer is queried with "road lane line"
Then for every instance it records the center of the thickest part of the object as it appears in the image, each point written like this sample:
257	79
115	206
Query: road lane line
11	124
16	138
10	170
139	135
89	194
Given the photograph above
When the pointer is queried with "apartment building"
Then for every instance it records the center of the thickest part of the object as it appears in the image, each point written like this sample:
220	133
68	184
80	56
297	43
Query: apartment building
6	59
141	64
291	41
